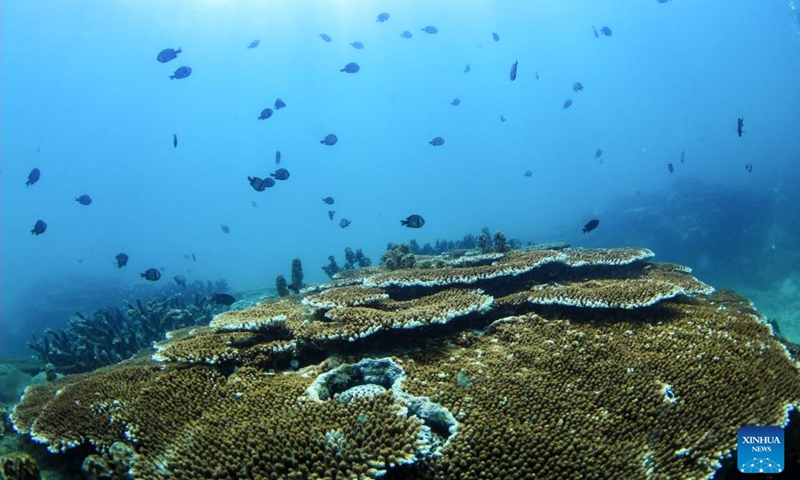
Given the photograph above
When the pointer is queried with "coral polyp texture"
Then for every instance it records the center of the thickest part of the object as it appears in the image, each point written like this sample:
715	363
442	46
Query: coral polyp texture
597	363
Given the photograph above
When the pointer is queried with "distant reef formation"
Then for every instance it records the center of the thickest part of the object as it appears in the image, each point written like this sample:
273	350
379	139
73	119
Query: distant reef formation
546	363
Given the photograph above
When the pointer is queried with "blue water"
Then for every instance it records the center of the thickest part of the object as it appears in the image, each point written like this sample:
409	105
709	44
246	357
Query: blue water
86	102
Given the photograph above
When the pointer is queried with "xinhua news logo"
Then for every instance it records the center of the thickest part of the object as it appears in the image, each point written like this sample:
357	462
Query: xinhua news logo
760	450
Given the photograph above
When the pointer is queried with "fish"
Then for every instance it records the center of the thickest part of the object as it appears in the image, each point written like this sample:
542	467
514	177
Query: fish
151	274
437	142
430	29
740	126
279	104
591	225
194	259
225	228
577	87
329	200
122	259
277	157
413	221
254	43
495	36
180	280
406	34
344	223
39	227
682	156
456	102
502	118
595	32
513	74
329	140
536	73
265	114
174	140
598	153
567	103
528	173
181	72
257	183
167	54
280	174
382	17
749	167
222	299
671	168
331	213
606	31
325	37
357	45
351	67
269	182
84	199
467	68
253	203
33	177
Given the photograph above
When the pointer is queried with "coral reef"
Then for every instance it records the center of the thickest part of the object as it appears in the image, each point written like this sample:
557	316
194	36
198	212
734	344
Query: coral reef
281	287
545	363
398	255
297	276
352	260
18	467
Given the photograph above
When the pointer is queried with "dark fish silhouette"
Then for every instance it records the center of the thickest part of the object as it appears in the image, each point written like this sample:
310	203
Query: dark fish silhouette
351	67
749	167
222	299
225	228
456	102
39	227
329	200
265	114
357	45
595	32
257	183
269	182
33	177
180	280
466	68
577	87
331	213
591	225
181	72
254	43
606	31
151	274
253	203
598	153
513	74
344	223
84	199
122	259
167	54
329	140
325	37
430	29
382	17
175	140
280	174
406	34
502	118
194	259
279	104
413	221
740	126
536	74
437	142
671	168
682	156
277	157
495	36
567	103
528	173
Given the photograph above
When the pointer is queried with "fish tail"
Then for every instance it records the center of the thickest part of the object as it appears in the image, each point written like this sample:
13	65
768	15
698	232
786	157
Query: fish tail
179	50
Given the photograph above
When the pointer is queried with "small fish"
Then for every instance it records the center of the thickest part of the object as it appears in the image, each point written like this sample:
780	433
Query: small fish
413	221
406	34
528	173
180	280
174	140
325	37
740	126
513	74
39	228
225	228
254	43
591	225
329	140
567	103
467	68
194	259
222	299
257	183
84	199
344	223
351	67
33	177
329	200
495	36
682	152
357	45
167	54
269	182
122	259
577	87
277	157
749	167
151	274
265	114
430	29
456	102
382	17
671	168
595	32
606	31
181	72
598	153
437	142
280	174
502	118
536	73
253	203
279	104
331	213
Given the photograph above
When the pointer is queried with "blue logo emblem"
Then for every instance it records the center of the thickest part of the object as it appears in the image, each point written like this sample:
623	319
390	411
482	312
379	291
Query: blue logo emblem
760	450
